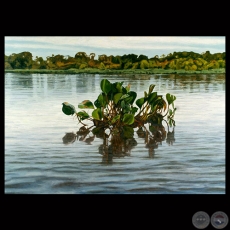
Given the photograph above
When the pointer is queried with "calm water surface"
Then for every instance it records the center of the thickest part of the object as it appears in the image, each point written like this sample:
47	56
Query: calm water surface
37	161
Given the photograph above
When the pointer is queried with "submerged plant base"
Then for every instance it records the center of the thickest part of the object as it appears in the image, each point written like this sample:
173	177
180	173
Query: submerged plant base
119	143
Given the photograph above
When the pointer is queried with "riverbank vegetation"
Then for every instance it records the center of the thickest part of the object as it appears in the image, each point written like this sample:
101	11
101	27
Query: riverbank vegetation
177	62
134	72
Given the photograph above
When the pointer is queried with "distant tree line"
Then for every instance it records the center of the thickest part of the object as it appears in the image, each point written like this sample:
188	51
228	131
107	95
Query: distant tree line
176	60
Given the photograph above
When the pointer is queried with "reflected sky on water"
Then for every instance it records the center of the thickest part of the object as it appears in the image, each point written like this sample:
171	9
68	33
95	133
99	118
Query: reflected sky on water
37	160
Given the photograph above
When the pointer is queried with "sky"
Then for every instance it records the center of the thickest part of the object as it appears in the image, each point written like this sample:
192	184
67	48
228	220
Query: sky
150	46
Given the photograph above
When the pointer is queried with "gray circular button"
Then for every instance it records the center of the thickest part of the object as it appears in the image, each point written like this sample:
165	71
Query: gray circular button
201	220
219	220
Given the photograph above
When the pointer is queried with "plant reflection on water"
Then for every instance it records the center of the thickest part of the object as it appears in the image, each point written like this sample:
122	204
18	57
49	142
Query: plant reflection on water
119	143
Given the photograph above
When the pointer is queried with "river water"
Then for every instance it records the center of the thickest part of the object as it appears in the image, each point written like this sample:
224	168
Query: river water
38	162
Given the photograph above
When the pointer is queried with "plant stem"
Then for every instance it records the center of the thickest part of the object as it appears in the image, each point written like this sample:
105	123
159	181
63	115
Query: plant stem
142	109
167	124
167	111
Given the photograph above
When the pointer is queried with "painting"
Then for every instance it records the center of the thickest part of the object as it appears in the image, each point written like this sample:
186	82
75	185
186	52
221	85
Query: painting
115	115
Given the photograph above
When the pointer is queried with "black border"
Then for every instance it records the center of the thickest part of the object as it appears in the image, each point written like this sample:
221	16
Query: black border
157	210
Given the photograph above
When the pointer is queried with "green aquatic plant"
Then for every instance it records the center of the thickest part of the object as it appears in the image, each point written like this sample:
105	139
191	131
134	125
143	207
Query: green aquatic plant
68	109
117	108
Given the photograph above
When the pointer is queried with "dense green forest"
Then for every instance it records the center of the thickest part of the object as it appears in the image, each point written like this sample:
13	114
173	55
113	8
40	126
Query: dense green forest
175	61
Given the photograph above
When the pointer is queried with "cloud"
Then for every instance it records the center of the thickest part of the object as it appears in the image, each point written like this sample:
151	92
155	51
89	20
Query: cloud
34	46
122	42
112	45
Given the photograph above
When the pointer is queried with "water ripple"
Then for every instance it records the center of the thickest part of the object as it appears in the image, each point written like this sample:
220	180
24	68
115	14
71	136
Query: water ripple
37	161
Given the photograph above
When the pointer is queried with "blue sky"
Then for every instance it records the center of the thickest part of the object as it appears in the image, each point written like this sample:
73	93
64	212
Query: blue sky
112	45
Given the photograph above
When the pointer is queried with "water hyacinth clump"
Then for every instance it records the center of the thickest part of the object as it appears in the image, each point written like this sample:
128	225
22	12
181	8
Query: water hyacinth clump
114	109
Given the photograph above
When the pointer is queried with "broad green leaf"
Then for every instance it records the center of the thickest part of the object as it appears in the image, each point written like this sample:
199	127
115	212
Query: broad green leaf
97	104
114	88
86	104
173	98
128	119
68	109
119	86
117	117
152	97
133	95
124	90
106	86
170	98
83	115
140	102
97	114
151	87
123	104
127	108
110	96
101	101
145	94
134	110
124	96
117	97
128	100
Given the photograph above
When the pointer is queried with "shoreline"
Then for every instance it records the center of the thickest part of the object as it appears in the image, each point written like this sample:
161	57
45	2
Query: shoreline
117	72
